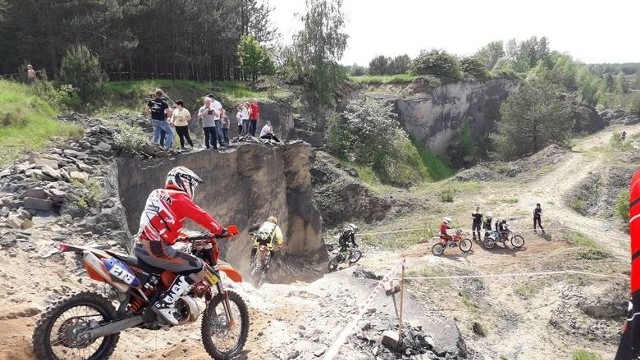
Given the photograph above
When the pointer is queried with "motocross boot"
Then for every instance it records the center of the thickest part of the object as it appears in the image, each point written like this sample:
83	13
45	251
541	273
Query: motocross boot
165	307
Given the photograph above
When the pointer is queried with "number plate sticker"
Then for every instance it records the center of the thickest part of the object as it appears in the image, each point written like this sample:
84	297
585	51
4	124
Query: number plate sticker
210	276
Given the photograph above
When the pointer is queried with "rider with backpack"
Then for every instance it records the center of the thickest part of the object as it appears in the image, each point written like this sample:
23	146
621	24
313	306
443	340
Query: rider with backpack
348	236
270	232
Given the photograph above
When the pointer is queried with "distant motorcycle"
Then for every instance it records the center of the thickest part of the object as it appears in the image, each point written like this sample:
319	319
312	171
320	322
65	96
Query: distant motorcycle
261	262
493	237
86	325
457	240
350	254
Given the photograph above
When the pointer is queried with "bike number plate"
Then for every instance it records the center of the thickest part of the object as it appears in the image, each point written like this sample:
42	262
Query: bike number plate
211	276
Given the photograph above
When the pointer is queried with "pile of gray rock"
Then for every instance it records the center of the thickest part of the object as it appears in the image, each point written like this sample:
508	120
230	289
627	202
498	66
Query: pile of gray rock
73	182
619	116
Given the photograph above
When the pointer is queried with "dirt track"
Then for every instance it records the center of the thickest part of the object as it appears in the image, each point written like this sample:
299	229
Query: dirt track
279	311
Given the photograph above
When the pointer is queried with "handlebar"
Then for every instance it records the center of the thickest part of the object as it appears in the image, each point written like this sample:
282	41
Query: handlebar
231	231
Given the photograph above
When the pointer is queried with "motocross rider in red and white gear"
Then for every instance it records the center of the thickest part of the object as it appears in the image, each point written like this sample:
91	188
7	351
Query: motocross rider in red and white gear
161	226
444	237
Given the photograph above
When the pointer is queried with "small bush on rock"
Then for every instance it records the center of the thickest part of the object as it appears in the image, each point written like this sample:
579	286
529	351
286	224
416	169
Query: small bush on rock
130	139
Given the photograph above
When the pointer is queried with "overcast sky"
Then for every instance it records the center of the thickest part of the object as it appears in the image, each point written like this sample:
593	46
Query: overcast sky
593	32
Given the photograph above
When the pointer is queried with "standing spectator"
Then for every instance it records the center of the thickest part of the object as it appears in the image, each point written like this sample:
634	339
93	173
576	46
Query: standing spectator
207	114
160	111
537	217
225	127
31	74
246	113
180	119
477	223
218	110
254	116
267	133
239	119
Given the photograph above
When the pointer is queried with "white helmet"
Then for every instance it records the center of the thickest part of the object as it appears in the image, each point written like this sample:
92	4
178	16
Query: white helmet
353	228
183	179
489	216
447	220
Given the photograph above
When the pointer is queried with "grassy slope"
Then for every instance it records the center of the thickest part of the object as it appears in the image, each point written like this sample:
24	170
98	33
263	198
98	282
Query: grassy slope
28	122
130	95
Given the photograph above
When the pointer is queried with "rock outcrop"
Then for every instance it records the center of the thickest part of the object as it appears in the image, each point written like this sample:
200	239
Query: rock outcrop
242	186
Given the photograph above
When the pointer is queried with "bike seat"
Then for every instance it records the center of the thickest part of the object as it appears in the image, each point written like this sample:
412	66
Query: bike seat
135	261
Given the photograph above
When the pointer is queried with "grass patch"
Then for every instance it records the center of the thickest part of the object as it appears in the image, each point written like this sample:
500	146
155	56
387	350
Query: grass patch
585	355
589	249
28	122
446	195
135	94
383	79
435	166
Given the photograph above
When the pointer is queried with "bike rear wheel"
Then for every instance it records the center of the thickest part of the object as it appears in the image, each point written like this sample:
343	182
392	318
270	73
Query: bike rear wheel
54	336
222	339
489	243
517	241
333	263
465	245
354	256
437	249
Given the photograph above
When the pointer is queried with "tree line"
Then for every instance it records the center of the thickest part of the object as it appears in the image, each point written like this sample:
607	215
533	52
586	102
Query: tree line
178	39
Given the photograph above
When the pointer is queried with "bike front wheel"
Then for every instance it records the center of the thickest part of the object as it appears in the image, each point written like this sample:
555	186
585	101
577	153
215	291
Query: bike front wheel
517	241
354	256
465	245
224	337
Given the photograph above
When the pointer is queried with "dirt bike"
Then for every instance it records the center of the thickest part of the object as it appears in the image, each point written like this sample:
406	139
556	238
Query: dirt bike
493	237
456	240
260	264
350	254
86	325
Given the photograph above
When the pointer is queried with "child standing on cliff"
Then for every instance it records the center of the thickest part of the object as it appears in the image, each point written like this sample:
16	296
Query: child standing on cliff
225	127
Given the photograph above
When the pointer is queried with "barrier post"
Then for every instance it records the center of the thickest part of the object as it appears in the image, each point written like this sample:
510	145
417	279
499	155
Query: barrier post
401	305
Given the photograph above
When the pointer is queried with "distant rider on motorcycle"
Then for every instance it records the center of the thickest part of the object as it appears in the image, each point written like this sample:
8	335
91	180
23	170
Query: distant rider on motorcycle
446	224
348	236
161	226
269	231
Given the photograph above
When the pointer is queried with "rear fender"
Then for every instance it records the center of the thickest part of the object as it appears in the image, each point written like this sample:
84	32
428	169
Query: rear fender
97	271
232	273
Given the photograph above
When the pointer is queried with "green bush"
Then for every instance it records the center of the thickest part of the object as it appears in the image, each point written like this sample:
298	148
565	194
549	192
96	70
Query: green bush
473	66
634	104
438	63
446	195
622	205
585	355
130	139
81	69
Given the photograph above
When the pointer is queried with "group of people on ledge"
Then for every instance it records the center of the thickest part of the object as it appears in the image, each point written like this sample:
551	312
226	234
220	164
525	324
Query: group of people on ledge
214	118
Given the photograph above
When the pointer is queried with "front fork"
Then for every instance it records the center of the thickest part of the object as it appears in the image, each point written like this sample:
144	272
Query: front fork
226	304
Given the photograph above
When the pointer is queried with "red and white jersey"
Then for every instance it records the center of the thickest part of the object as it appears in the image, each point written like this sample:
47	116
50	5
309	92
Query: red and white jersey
165	212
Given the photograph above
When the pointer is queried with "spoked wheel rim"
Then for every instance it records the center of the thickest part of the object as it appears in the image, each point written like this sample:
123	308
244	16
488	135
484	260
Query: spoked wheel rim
465	245
437	249
224	334
63	337
517	241
489	243
355	256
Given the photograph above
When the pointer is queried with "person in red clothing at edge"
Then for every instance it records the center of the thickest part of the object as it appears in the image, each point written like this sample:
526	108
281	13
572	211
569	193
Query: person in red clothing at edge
161	226
254	117
446	224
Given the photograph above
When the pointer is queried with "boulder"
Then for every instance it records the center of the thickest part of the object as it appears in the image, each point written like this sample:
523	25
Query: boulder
79	176
37	193
65	175
102	147
26	224
75	154
41	162
38	204
33	173
51	172
5	173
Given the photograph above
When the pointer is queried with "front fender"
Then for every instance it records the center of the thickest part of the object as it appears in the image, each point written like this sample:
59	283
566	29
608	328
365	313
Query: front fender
232	273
